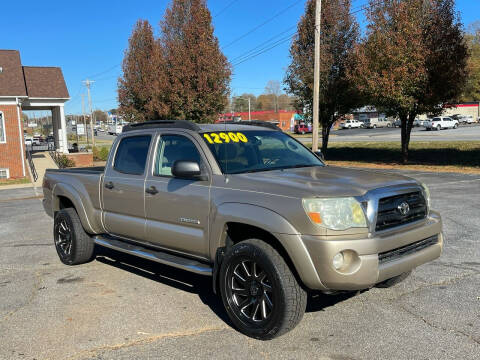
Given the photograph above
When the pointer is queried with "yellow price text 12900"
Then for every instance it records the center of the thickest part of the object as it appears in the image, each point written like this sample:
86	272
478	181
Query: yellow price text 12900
220	138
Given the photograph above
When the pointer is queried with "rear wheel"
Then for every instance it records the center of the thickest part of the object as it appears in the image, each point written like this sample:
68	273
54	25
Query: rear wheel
439	128
74	246
260	293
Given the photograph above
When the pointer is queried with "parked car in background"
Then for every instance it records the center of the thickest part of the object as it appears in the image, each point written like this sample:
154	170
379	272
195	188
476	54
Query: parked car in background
302	129
28	141
441	122
373	123
397	123
351	124
467	119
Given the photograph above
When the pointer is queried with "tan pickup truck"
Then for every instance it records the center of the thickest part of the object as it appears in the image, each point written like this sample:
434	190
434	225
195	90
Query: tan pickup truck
250	206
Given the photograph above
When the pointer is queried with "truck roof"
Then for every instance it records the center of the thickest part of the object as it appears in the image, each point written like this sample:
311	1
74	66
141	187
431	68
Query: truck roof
184	124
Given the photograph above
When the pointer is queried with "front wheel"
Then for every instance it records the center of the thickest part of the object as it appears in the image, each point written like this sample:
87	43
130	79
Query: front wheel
259	291
455	126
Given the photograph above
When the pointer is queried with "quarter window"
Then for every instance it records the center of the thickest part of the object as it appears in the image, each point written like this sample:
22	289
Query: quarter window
3	138
173	148
131	156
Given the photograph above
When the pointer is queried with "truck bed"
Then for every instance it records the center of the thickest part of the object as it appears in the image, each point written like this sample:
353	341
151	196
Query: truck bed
82	170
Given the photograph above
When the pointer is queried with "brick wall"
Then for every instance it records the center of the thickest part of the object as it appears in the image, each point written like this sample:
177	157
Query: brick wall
82	159
10	152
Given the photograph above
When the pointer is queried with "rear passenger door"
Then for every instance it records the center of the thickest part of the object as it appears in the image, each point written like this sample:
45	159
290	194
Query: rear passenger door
124	187
177	210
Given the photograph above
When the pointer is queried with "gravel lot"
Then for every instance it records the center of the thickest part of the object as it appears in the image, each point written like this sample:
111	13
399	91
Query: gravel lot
119	307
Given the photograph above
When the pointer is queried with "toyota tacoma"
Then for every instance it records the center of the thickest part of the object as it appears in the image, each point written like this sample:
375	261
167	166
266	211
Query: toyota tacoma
249	206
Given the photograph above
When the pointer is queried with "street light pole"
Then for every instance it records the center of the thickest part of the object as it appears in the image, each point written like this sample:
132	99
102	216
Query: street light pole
316	81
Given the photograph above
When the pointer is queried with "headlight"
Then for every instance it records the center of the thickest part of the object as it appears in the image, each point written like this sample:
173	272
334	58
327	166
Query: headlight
335	213
426	191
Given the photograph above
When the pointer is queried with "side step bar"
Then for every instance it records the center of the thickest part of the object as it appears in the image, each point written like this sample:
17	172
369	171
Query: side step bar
154	255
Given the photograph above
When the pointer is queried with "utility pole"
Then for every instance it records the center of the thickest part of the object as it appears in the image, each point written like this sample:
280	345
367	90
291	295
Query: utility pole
87	84
249	112
316	80
83	115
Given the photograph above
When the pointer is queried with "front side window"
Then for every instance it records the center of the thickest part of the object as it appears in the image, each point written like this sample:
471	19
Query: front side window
2	129
131	156
258	150
173	148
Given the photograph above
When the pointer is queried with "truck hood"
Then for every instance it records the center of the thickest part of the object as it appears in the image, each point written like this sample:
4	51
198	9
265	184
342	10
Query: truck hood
328	181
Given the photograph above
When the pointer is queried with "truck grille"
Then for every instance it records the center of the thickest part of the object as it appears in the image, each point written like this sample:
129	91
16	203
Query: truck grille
400	209
406	250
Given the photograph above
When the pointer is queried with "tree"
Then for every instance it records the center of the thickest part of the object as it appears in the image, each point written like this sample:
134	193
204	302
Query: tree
141	74
198	74
273	88
413	59
472	87
240	103
100	115
339	34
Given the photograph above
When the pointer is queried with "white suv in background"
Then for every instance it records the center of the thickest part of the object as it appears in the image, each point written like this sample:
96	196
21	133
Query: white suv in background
351	124
439	123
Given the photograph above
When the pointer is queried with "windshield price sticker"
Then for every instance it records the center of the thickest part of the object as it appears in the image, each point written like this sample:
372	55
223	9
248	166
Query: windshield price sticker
223	137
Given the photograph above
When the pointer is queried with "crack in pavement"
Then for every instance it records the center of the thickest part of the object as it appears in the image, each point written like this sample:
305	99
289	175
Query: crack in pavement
145	341
449	281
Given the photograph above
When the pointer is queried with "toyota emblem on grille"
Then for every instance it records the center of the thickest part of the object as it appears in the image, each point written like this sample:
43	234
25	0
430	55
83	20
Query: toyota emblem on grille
404	208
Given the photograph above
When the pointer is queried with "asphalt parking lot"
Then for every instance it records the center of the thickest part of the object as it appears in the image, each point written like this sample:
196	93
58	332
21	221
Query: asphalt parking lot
119	307
469	132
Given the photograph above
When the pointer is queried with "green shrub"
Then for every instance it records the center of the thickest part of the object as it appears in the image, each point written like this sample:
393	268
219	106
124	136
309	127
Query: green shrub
63	161
100	154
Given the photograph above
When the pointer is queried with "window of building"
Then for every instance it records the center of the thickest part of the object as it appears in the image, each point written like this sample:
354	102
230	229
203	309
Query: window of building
3	136
4	174
131	156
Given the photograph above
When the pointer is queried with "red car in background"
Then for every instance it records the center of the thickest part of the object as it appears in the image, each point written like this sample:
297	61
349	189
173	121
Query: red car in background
302	129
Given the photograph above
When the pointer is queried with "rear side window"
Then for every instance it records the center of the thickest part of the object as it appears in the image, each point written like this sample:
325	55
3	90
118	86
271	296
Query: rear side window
131	156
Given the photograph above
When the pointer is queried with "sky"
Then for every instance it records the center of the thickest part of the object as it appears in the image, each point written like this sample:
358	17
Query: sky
87	39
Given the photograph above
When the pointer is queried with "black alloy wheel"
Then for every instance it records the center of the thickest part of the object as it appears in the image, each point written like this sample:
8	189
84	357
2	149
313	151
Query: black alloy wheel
250	291
260	293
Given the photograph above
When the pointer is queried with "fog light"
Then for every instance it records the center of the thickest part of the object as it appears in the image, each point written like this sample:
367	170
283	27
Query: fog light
338	261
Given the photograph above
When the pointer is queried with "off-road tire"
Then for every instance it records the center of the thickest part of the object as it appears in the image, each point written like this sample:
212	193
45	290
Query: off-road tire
393	281
81	247
289	299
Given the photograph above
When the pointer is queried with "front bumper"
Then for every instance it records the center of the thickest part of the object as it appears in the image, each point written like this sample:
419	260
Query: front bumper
364	268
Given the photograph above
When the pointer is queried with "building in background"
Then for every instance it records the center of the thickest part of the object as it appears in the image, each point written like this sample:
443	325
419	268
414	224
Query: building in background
283	119
27	88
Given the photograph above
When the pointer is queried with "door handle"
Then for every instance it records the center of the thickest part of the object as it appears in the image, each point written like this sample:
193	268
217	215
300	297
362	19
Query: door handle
152	190
109	185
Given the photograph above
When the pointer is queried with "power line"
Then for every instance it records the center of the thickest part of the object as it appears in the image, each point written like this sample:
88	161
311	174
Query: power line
264	43
266	49
225	8
262	24
106	71
248	56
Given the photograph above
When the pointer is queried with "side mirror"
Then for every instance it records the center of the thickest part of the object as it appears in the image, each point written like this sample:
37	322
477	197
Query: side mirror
319	155
189	170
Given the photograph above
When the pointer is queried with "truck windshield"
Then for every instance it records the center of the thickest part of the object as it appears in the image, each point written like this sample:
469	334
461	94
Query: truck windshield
255	150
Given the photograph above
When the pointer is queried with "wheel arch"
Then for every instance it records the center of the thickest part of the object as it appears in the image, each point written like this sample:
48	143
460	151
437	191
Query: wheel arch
235	222
65	196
